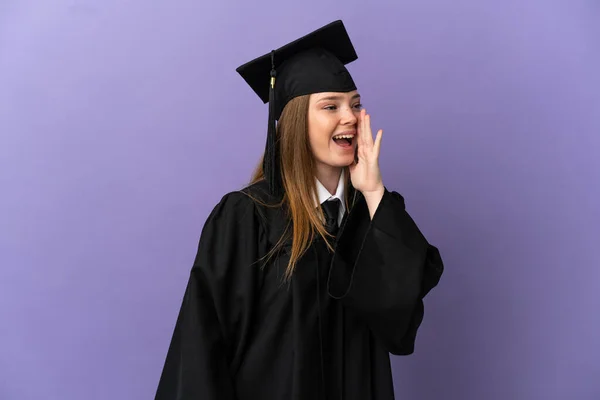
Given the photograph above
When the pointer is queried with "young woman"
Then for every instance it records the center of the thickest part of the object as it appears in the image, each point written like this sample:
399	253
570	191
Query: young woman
307	279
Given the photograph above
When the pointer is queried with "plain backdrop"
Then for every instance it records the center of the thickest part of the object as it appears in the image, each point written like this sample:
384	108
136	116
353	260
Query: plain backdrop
123	122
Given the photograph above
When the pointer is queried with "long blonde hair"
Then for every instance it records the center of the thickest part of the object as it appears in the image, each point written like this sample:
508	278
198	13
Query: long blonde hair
298	171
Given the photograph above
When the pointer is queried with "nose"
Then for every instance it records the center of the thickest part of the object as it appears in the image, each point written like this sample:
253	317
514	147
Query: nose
348	116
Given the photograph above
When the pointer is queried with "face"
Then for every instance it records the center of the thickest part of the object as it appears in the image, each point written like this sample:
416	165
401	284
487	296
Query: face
332	116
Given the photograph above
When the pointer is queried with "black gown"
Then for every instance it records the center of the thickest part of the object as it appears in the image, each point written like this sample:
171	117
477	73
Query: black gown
243	333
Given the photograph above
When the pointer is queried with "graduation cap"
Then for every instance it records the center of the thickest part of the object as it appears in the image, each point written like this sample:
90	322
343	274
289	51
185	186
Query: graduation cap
314	63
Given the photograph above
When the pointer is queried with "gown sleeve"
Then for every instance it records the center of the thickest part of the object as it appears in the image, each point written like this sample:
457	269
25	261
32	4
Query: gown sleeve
382	269
214	315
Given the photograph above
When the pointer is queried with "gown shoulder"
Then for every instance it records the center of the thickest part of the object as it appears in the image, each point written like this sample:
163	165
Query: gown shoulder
215	315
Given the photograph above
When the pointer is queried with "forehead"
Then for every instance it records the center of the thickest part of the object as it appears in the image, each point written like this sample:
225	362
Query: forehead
316	97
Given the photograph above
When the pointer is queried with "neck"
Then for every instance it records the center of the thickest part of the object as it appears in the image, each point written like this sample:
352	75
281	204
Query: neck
329	177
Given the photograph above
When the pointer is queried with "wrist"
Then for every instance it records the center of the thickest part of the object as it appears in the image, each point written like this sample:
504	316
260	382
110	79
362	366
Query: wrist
376	193
373	198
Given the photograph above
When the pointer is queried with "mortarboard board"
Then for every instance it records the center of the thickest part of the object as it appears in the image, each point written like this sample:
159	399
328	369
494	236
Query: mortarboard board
314	63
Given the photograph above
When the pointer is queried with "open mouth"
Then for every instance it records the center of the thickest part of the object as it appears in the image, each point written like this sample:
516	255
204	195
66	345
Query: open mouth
344	140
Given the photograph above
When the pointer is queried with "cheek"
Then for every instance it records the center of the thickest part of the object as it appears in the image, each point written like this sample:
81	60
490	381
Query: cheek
319	132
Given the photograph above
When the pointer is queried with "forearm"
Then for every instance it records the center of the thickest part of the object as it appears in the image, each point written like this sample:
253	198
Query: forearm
382	269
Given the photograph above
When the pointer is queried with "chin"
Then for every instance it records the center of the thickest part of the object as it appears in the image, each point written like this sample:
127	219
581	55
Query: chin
341	162
336	160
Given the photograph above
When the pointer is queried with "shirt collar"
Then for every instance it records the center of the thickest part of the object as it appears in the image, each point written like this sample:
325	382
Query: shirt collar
324	195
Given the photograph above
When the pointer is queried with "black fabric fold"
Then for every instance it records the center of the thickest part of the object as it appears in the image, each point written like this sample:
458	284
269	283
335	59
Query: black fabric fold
383	268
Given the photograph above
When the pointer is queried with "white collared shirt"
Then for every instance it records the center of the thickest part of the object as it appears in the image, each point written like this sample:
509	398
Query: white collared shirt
324	195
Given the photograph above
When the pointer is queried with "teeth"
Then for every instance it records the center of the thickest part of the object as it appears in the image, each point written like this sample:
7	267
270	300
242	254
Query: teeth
343	137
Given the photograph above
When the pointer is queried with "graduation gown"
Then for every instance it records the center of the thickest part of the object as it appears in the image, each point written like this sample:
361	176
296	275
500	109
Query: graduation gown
243	333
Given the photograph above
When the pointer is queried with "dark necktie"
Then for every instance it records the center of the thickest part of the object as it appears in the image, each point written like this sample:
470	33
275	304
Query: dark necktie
331	210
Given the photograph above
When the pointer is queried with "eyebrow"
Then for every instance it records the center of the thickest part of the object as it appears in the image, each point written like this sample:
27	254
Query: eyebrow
337	97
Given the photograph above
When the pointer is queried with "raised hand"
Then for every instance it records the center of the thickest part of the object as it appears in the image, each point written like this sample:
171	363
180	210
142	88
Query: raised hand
365	173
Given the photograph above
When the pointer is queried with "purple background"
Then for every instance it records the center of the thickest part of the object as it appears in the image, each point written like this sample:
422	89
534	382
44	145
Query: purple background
122	123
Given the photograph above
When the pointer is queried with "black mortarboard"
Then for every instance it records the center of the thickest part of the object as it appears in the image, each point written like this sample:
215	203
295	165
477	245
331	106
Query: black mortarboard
314	63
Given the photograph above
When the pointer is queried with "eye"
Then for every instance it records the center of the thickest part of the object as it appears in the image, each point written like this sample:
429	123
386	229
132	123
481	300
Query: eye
358	106
329	108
